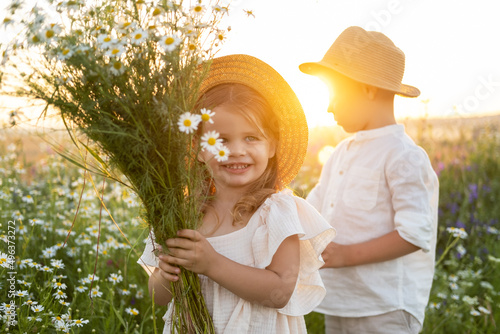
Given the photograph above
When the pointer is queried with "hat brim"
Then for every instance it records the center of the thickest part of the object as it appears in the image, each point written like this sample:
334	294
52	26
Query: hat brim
316	68
293	131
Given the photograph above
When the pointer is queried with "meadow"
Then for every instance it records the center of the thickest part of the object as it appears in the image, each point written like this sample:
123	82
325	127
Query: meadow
70	239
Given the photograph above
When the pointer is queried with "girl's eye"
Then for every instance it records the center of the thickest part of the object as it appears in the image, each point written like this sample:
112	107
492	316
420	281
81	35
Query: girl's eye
251	138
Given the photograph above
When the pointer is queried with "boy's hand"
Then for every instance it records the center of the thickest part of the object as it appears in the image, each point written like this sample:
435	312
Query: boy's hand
333	255
190	250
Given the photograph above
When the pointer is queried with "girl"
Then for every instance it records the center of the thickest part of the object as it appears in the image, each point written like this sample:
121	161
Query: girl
258	249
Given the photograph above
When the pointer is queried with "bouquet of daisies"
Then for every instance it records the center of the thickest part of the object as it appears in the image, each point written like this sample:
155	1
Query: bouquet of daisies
126	74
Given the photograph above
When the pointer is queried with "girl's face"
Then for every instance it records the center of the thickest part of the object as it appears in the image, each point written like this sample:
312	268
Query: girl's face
249	150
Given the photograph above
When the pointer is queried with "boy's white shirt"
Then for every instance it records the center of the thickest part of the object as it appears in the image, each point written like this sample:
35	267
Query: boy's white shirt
374	182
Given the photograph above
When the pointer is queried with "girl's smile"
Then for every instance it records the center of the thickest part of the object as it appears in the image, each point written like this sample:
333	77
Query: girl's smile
249	149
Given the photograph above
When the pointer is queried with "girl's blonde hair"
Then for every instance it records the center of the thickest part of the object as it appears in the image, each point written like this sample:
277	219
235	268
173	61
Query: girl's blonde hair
255	108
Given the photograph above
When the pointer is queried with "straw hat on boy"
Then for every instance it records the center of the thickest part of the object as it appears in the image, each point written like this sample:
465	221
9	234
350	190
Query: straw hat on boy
256	74
368	57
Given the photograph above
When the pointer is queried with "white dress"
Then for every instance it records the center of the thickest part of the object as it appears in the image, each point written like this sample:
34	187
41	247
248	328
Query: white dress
280	216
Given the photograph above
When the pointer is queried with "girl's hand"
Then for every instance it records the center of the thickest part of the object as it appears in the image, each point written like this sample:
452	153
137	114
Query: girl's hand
192	251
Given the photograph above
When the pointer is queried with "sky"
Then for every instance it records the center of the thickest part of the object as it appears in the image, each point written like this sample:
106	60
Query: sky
451	47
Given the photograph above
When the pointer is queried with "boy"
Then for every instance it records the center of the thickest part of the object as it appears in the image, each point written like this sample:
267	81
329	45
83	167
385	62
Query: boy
378	190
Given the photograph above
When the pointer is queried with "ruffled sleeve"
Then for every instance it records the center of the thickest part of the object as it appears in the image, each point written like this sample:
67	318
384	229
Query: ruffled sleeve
284	215
148	257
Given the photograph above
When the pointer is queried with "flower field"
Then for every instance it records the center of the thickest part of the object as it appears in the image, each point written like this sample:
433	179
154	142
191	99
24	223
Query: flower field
70	240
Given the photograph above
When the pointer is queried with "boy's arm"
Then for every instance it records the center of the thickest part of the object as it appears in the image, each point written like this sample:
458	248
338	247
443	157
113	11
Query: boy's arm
384	248
414	188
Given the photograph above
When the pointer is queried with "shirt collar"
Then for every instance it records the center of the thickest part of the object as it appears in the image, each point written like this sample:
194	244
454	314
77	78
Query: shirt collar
379	132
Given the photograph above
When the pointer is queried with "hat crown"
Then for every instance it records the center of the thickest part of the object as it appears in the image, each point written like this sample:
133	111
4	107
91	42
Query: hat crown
369	57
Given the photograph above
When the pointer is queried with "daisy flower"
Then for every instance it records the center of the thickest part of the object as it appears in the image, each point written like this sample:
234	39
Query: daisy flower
189	31
59	285
30	302
169	43
114	278
59	294
210	141
116	50
139	294
23	282
27	199
157	11
484	310
46	269
116	67
188	122
80	322
198	9
222	154
474	313
138	36
62	302
58	264
65	53
124	26
206	115
81	288
124	292
50	32
220	36
105	41
23	293
132	311
95	292
219	9
4	260
37	308
49	252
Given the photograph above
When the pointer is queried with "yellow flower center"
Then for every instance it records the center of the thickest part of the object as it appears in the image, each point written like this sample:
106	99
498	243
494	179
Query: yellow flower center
222	153
107	39
204	117
117	65
49	33
221	37
211	141
187	122
134	312
35	39
169	40
156	11
78	321
138	36
115	51
192	47
65	51
198	9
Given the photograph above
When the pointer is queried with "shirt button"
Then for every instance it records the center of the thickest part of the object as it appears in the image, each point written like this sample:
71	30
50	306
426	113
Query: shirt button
331	205
341	172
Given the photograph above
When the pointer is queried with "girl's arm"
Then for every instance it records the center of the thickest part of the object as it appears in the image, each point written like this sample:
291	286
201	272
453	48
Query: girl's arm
271	287
159	282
